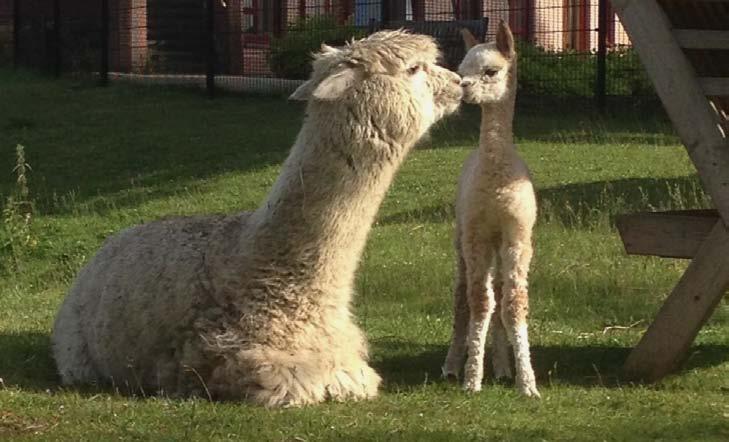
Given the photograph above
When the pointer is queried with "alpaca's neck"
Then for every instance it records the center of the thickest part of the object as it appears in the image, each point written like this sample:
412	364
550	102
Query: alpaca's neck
497	136
497	132
316	219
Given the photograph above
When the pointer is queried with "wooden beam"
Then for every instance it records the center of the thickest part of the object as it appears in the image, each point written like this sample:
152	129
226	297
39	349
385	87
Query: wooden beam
665	345
676	234
715	86
700	39
676	84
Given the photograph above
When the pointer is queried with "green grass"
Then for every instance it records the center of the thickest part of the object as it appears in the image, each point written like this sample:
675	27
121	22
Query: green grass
104	159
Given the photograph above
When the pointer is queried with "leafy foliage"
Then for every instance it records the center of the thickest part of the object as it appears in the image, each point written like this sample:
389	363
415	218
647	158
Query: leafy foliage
570	73
291	54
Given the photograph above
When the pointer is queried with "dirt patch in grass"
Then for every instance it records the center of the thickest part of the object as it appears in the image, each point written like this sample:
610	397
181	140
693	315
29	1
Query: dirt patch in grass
12	424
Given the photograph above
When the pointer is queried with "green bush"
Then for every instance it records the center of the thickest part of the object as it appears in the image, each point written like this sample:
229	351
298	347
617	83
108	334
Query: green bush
543	72
291	54
626	75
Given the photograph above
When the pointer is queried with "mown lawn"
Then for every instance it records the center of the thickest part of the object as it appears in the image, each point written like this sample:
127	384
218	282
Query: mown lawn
104	159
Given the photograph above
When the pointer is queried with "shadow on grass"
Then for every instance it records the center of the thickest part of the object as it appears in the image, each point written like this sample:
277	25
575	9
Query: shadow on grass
577	121
580	204
405	364
101	143
26	361
107	142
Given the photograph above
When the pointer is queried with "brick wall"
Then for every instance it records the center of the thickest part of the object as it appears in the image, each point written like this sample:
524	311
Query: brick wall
128	35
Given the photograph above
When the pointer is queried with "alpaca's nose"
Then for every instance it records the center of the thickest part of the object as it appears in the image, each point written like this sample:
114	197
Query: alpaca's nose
466	82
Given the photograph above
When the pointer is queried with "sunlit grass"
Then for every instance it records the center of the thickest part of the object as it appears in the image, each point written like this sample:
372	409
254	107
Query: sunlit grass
104	159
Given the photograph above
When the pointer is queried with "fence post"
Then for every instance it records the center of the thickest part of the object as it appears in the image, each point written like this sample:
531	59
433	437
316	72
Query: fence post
602	29
16	33
210	70
529	26
104	68
278	13
485	30
385	12
57	38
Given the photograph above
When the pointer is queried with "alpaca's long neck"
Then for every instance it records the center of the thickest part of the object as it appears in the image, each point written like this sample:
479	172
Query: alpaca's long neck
315	221
497	136
497	131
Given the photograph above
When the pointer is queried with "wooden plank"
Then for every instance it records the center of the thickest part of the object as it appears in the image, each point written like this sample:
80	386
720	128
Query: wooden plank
677	234
701	39
673	77
715	86
666	342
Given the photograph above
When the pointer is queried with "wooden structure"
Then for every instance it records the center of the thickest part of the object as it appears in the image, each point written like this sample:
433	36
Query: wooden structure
684	46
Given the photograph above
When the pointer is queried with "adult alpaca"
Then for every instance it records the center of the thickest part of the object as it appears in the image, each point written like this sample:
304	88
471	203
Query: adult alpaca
495	213
256	305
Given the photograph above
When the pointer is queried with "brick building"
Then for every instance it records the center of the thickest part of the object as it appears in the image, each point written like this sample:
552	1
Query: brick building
170	35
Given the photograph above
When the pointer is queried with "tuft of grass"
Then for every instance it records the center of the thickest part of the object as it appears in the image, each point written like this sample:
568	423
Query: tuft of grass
105	159
16	236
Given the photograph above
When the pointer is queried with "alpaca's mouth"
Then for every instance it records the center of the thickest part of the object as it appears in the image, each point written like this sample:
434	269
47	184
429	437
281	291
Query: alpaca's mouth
470	97
451	102
482	95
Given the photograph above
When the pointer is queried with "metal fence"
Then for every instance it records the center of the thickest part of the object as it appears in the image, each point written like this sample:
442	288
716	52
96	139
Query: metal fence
566	47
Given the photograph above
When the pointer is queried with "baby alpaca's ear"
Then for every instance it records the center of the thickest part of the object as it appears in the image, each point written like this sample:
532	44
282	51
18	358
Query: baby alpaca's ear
334	86
468	38
505	40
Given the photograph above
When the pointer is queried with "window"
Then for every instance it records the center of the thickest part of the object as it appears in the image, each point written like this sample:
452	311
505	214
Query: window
249	15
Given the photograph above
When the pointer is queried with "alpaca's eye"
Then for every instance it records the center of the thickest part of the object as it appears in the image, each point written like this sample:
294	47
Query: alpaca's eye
414	69
489	72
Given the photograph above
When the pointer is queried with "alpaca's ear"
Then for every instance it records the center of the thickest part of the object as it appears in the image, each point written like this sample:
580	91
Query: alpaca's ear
468	38
334	86
505	40
329	89
326	49
303	92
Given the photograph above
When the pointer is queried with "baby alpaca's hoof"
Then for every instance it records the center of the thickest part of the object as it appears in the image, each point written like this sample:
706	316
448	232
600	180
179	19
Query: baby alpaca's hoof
472	386
502	373
449	374
529	390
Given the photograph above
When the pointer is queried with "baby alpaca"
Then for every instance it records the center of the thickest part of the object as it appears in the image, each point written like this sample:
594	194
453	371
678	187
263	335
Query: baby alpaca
256	305
495	213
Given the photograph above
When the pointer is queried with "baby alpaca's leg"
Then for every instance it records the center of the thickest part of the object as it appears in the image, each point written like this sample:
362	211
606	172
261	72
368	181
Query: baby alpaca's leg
500	351
516	254
479	263
457	349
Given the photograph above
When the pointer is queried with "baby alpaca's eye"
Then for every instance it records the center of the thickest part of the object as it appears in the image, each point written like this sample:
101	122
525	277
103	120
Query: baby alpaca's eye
490	72
412	70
